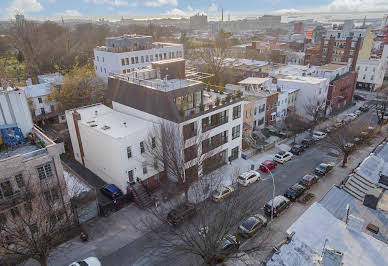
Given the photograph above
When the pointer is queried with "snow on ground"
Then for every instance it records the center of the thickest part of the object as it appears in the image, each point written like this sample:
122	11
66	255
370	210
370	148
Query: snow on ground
74	185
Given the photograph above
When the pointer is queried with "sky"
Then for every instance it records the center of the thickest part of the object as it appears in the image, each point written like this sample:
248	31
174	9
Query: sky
39	8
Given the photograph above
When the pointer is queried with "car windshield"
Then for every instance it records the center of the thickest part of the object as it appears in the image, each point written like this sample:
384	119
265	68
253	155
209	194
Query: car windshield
216	193
322	167
241	178
225	244
249	223
82	263
278	156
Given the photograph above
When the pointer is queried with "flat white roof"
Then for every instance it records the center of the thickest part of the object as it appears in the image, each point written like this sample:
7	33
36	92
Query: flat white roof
253	80
37	90
166	85
317	224
303	79
110	122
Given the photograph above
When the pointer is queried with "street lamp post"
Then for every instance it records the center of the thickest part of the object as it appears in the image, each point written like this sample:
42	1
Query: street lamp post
273	193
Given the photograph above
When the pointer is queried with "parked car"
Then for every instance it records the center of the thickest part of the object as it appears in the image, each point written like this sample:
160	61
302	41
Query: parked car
91	261
180	213
111	191
338	124
251	225
357	140
318	135
357	112
323	169
295	191
359	97
248	178
267	165
306	142
349	146
308	180
352	116
280	203
328	130
364	108
297	149
229	245
282	157
221	193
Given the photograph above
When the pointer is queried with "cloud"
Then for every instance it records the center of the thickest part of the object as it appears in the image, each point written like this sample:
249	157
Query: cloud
69	13
212	8
108	2
358	5
156	3
285	11
24	6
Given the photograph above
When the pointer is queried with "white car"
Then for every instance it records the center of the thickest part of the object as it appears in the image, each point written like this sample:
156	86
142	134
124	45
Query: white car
91	261
358	112
317	135
248	178
282	157
352	116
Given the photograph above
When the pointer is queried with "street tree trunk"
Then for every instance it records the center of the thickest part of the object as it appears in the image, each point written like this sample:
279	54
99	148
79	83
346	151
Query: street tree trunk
345	159
42	260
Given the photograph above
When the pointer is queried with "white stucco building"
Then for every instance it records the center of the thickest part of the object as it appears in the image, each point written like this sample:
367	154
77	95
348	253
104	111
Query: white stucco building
370	73
14	109
282	106
130	53
112	144
41	106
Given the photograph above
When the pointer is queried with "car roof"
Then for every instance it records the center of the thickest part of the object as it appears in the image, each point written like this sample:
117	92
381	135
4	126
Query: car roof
277	200
249	173
281	152
296	186
308	177
318	132
112	187
267	162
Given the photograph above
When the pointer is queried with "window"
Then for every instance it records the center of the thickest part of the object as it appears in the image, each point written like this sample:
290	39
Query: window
28	206
142	59
156	57
124	71
273	116
137	60
40	100
255	110
372	77
237	112
6	187
366	68
151	58
374	69
97	59
122	61
236	132
234	153
260	122
142	150
144	169
147	59
363	77
132	60
103	60
19	180
127	61
165	56
15	212
129	152
153	142
156	166
45	172
130	176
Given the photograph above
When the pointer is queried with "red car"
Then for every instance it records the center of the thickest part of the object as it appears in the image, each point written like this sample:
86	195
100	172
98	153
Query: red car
267	165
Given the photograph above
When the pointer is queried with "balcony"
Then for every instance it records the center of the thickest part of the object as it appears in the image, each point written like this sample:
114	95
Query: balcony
214	142
214	123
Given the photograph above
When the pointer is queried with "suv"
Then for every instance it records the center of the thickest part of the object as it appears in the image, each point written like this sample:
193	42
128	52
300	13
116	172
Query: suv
178	215
251	225
323	169
318	135
307	142
111	191
295	191
280	203
248	178
297	149
308	180
282	157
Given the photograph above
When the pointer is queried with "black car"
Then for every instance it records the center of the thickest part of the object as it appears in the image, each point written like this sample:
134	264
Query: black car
359	97
295	191
364	108
308	180
323	169
182	212
297	149
229	245
306	142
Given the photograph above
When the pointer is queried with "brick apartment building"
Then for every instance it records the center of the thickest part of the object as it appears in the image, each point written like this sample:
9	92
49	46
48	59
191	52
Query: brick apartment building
271	110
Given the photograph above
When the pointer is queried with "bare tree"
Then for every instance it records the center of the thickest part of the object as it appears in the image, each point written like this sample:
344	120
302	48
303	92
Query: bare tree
382	106
296	124
34	230
211	224
166	147
315	111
